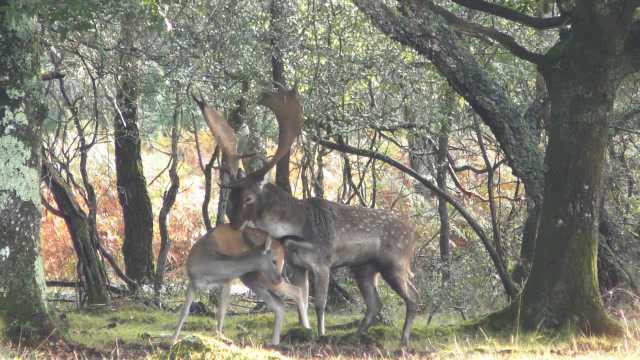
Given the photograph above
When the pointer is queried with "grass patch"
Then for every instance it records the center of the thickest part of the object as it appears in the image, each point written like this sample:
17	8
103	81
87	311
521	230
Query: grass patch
133	331
3	325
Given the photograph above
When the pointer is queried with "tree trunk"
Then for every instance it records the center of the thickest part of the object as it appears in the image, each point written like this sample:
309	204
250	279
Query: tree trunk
562	290
442	165
237	119
277	24
132	186
92	274
21	116
168	200
132	189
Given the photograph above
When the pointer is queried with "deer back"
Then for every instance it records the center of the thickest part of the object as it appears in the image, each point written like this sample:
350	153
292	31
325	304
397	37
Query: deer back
226	241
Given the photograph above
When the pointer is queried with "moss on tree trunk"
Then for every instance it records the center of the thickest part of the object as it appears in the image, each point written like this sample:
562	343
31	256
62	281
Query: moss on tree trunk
562	291
21	115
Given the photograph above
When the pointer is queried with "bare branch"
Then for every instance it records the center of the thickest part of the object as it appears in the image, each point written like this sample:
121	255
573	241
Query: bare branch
49	207
512	15
505	40
52	75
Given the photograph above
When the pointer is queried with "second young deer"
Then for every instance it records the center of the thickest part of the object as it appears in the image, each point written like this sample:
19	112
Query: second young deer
215	260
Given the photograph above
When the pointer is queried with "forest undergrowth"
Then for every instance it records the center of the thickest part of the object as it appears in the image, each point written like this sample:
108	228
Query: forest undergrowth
129	329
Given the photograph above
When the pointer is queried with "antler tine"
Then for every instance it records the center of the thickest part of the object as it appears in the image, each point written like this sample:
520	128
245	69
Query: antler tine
222	132
288	110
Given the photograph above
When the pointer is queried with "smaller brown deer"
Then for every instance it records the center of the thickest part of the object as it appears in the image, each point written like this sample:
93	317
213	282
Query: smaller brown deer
225	254
234	243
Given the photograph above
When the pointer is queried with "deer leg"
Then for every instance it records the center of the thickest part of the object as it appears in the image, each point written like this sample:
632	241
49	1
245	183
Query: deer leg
320	290
398	280
223	302
273	303
185	312
365	276
286	290
299	278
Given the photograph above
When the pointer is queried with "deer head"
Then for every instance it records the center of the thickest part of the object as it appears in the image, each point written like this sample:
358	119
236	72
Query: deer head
246	192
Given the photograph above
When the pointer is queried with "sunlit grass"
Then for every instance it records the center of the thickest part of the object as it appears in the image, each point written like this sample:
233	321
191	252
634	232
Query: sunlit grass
142	328
129	331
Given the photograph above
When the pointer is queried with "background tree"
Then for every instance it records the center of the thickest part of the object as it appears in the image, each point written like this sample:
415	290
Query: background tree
137	213
568	232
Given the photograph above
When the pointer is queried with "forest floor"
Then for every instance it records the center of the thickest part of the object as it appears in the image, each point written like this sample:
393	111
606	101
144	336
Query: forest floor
125	331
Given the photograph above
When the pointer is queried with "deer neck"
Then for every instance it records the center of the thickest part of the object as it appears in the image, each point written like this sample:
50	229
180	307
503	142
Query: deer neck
283	215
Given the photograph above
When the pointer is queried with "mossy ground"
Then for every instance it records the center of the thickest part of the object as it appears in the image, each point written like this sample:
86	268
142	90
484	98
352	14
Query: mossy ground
136	331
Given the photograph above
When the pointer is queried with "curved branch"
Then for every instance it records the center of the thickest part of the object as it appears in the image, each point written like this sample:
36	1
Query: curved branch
425	30
512	15
505	40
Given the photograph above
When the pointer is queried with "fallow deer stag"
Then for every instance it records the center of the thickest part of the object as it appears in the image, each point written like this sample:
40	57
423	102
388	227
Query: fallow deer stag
369	241
226	241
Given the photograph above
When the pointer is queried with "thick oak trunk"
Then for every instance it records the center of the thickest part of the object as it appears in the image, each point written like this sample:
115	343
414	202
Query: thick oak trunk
562	289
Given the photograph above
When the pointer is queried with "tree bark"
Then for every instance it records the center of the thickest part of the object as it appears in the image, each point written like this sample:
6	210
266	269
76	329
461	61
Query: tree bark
277	24
132	186
21	115
442	165
92	274
582	77
168	200
237	120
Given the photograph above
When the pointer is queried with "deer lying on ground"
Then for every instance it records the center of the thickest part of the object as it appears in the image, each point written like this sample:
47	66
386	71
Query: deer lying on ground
225	254
369	241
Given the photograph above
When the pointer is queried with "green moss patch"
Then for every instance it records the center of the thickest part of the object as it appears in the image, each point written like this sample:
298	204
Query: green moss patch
143	331
196	347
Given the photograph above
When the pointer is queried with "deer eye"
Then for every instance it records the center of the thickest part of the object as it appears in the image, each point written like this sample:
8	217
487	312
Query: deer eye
249	199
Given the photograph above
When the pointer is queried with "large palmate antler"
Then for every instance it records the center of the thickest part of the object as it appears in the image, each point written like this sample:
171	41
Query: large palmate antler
223	133
287	108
